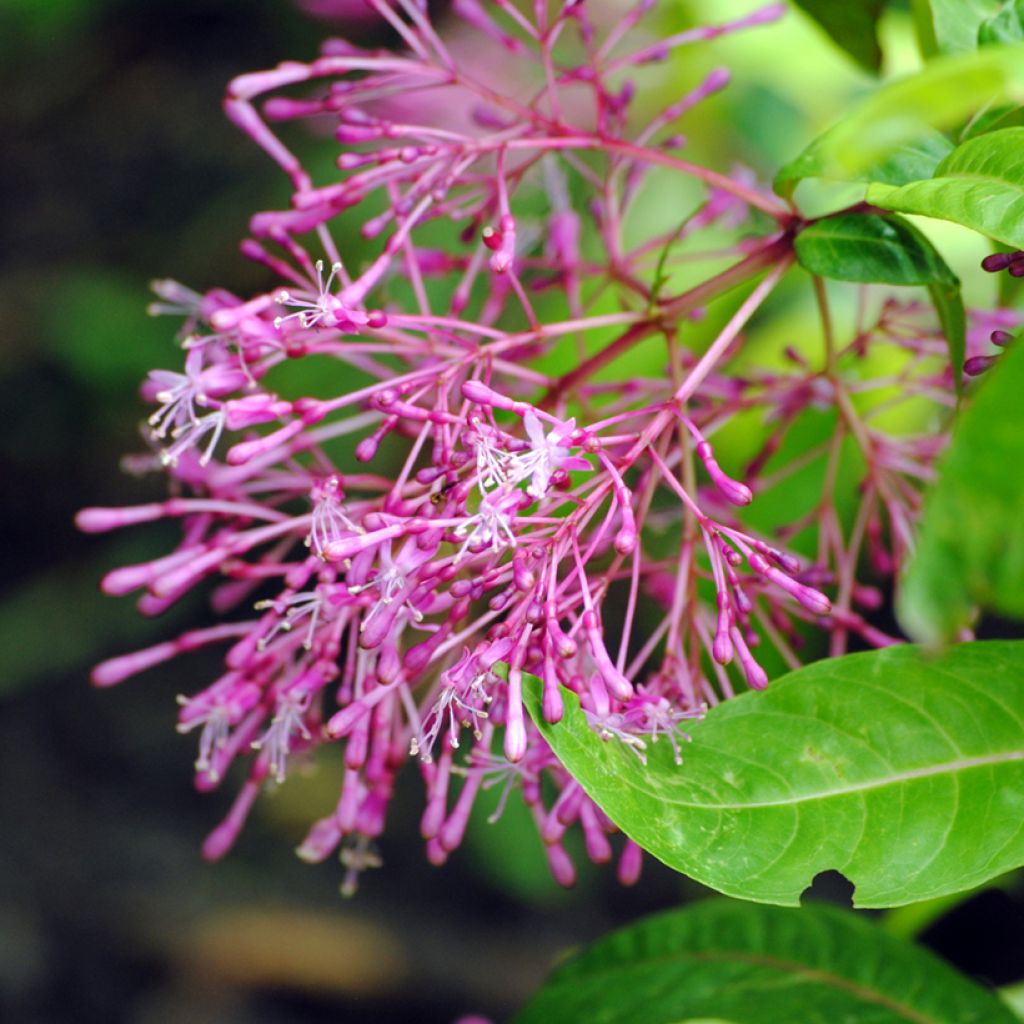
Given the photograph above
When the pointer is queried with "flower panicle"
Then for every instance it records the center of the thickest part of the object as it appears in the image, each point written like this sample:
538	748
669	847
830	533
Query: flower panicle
459	514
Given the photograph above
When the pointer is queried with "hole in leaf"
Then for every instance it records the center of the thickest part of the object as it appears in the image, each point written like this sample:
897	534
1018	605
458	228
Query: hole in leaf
829	887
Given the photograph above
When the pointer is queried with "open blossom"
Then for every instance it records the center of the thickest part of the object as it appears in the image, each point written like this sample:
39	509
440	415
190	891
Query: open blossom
474	504
547	452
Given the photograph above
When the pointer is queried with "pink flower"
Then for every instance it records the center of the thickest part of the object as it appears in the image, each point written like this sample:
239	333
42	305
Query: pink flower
547	453
474	500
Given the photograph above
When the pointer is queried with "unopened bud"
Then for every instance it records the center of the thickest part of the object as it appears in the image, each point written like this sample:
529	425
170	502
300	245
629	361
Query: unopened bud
977	365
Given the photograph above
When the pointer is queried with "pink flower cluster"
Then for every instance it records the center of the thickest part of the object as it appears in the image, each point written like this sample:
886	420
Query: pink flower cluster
476	497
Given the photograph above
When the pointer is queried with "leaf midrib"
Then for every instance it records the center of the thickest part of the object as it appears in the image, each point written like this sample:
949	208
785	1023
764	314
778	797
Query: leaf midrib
949	767
971	177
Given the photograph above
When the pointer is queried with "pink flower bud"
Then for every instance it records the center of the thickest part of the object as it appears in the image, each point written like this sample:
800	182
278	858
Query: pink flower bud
599	850
731	490
342	722
100	520
721	649
523	578
757	678
552	705
241	413
116	670
223	837
515	727
625	540
617	683
562	867
480	394
630	863
997	261
977	365
321	841
242	453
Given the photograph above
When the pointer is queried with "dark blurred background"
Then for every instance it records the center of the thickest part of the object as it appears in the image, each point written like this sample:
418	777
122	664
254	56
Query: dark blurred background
118	167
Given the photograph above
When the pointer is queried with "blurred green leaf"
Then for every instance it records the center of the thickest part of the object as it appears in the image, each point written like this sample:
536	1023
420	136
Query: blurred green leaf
509	853
922	796
66	604
980	185
905	114
99	331
1005	26
852	26
950	26
915	160
758	965
970	549
41	23
1013	996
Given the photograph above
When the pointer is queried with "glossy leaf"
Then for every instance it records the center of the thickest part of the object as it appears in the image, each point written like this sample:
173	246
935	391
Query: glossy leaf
970	549
904	773
887	250
853	27
950	26
870	249
758	965
1005	26
906	113
980	185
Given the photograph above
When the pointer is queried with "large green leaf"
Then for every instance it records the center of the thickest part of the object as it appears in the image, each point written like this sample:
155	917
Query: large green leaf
758	965
904	773
980	185
950	26
970	549
887	250
852	26
905	114
1005	26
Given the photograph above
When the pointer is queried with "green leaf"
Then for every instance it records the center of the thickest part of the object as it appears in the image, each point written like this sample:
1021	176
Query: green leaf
852	26
911	161
980	185
949	306
872	249
758	965
905	115
904	773
970	549
1001	116
950	26
869	248
1005	26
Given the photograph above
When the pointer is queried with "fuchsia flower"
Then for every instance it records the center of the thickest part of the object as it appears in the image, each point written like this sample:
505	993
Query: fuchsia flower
458	513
